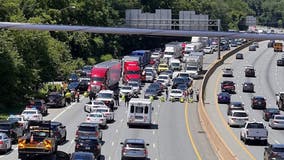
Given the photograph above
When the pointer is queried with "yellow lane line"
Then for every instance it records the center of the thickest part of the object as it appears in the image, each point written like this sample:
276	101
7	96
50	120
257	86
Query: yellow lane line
225	123
189	132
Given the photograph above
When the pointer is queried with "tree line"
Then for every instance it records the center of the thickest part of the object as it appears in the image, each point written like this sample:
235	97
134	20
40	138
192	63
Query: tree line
29	58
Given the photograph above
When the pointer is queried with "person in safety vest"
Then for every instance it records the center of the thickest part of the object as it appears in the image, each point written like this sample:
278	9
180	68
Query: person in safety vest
68	97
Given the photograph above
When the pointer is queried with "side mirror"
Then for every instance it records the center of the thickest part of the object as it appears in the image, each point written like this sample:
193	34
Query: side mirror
121	143
147	144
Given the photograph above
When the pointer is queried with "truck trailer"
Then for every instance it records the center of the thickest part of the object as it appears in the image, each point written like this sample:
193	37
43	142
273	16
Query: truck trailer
194	64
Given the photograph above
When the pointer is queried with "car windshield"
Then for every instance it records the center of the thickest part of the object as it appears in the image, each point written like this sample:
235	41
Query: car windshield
255	125
148	70
104	95
5	126
163	77
87	128
126	88
183	75
279	117
240	114
177	80
98	79
150	90
101	110
14	119
176	91
96	115
190	68
89	141
82	157
237	104
175	64
278	149
132	72
133	84
149	74
29	112
135	145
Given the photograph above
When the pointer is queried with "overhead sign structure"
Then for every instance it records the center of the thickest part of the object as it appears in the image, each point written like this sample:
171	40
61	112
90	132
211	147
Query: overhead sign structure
133	31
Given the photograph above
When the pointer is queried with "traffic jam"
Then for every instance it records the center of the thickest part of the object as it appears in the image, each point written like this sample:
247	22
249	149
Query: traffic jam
135	81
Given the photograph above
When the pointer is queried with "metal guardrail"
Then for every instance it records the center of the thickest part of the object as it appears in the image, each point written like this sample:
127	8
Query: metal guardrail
219	145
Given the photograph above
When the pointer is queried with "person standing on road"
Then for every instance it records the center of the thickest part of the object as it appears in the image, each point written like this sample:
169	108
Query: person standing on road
191	93
78	95
116	98
127	99
197	94
167	93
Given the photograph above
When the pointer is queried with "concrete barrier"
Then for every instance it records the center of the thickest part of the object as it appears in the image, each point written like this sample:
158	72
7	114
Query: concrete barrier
219	145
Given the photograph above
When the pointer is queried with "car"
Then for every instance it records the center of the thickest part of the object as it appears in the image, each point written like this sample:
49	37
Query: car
182	87
258	102
228	86
162	81
90	106
248	87
168	72
134	149
150	69
239	56
177	81
183	75
151	92
107	112
252	48
82	156
270	44
126	89
176	95
166	79
88	144
224	97
237	118
249	71
31	114
269	112
5	143
55	99
20	119
208	50
97	117
158	86
58	131
12	129
156	55
255	44
89	129
107	96
234	44
73	86
235	106
150	77
83	85
136	87
280	62
228	72
274	151
276	122
188	81
162	67
38	104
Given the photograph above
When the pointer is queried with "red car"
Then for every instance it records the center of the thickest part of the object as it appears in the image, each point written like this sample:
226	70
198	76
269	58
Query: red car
228	86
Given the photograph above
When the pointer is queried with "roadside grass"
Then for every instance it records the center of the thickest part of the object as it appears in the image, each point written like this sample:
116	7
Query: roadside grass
5	112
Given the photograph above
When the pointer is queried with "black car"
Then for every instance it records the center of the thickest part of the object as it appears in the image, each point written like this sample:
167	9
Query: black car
258	102
55	99
280	62
12	129
82	156
248	87
151	92
134	149
88	144
235	106
274	151
89	129
157	86
87	70
249	71
83	86
177	81
269	113
239	56
38	104
59	132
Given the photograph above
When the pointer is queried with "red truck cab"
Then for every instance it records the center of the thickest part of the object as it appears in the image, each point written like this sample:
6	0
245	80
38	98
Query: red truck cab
131	71
98	78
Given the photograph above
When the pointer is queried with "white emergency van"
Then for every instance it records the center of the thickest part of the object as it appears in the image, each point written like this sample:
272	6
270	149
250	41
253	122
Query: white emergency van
139	112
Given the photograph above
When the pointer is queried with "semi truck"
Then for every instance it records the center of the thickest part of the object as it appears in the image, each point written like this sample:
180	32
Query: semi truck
131	71
193	47
173	50
145	56
105	75
280	100
38	141
194	64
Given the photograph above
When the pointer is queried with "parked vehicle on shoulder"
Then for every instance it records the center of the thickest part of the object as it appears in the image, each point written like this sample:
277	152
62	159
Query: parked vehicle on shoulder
274	151
134	149
269	113
254	131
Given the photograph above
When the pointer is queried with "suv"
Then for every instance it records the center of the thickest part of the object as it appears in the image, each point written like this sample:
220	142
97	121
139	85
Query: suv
88	144
38	104
12	129
249	71
55	99
274	151
235	106
134	149
59	132
89	129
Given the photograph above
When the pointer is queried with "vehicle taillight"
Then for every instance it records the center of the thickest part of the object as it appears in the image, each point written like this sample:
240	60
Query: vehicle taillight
88	118
77	145
123	150
1	142
145	152
77	133
275	121
97	134
233	118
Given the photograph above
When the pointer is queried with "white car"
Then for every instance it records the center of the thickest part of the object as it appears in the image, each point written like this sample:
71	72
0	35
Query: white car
277	122
208	50
135	85
155	55
176	94
150	69
227	72
32	114
126	90
107	96
237	118
150	77
90	106
96	117
20	119
106	112
166	78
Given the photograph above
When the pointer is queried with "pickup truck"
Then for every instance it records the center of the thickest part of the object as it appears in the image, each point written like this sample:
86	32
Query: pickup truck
38	141
280	100
254	131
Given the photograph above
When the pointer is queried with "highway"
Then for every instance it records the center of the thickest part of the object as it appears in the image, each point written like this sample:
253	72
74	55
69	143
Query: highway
267	82
176	132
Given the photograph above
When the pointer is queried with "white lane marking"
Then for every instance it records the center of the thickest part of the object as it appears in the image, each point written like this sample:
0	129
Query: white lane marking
276	141
109	158
116	131
112	143
63	112
156	113
154	146
156	159
72	141
154	132
121	120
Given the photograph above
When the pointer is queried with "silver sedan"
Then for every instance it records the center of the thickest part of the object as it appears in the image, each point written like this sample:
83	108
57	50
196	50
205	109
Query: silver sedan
277	122
5	143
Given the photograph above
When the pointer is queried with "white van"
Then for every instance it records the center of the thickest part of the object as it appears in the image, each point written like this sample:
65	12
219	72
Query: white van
175	64
139	112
